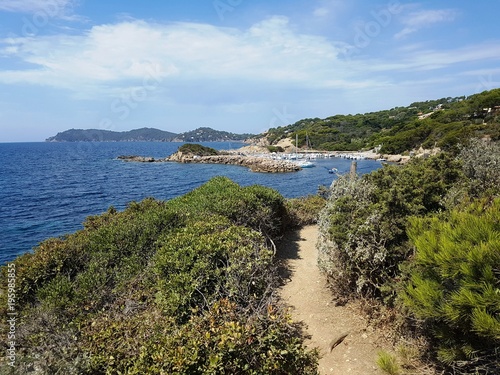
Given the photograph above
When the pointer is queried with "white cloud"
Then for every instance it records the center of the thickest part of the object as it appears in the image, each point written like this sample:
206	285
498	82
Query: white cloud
192	62
124	53
424	18
53	8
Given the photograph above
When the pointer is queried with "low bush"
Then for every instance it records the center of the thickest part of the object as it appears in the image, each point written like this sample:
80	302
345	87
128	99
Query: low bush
304	210
275	149
455	284
197	149
257	207
178	287
363	238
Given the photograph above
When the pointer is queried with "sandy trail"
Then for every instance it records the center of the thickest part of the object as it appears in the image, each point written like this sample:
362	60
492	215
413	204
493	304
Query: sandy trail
306	292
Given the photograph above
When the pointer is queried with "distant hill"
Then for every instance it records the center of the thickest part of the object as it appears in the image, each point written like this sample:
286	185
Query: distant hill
443	123
146	134
97	135
210	135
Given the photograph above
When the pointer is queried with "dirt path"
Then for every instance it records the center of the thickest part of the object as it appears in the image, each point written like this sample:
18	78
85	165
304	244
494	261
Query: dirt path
326	323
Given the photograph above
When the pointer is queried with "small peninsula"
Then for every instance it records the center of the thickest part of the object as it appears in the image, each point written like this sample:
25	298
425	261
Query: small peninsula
195	153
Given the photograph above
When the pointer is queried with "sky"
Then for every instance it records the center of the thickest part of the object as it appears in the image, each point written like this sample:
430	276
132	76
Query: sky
236	65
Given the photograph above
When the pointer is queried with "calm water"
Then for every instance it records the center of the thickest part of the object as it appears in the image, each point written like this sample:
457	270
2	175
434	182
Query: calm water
47	189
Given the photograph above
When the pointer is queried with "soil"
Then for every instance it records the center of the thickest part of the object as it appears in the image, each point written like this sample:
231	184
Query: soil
347	343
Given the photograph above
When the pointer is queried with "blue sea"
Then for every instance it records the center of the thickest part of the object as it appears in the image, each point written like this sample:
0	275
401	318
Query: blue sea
48	189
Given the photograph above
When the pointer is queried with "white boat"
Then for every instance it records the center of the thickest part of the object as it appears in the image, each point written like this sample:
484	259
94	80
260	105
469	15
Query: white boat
305	164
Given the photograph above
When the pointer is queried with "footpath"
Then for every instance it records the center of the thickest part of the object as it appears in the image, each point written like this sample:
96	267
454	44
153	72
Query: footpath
348	345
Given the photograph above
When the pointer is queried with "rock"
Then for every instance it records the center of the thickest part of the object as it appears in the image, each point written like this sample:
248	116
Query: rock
394	158
140	159
256	164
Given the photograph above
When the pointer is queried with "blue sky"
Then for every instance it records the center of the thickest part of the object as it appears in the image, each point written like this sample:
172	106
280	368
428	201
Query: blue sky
235	65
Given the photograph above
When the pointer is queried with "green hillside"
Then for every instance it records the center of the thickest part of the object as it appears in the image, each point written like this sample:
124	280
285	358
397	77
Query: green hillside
443	123
205	134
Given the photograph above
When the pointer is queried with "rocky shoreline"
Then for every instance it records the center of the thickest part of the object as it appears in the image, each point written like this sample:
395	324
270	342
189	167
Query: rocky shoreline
254	163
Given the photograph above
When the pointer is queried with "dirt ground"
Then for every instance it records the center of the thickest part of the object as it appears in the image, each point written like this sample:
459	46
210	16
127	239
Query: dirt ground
312	303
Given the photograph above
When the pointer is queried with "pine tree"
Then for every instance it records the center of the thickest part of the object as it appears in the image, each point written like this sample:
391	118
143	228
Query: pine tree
455	284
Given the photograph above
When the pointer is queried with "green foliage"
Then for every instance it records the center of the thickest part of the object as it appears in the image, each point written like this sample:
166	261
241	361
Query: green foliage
210	260
275	149
455	280
205	134
221	342
197	149
398	130
304	210
255	206
388	363
362	228
181	287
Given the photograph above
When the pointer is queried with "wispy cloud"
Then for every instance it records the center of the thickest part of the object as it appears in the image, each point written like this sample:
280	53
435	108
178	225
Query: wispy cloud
51	7
422	60
417	20
329	8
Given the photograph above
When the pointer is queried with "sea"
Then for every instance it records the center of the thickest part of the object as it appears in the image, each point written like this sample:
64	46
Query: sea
48	189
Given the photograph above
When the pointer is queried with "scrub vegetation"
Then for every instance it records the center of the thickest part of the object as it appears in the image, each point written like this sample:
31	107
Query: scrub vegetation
422	241
177	287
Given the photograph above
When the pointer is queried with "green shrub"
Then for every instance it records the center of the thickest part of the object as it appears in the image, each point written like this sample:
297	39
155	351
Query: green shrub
177	287
363	238
275	149
455	282
257	207
221	342
480	174
210	260
388	363
304	210
197	149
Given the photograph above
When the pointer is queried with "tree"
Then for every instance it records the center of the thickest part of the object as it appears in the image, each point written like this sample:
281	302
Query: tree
455	283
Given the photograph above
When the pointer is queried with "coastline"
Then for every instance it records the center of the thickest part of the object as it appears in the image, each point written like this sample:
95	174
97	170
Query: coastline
258	158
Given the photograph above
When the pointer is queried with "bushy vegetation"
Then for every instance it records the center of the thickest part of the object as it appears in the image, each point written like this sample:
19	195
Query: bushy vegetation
455	283
451	121
197	149
363	225
304	210
275	149
423	239
177	287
